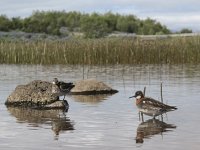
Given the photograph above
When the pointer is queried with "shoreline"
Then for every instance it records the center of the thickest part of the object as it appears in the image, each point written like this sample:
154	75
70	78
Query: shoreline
25	36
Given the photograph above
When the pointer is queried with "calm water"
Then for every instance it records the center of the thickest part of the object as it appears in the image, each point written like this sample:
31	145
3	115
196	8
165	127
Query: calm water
108	121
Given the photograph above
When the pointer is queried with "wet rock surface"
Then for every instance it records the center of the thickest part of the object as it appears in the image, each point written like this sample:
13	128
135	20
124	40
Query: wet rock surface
91	87
36	94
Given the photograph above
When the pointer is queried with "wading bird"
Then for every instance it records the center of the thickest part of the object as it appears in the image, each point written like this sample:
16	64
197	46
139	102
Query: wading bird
150	106
61	88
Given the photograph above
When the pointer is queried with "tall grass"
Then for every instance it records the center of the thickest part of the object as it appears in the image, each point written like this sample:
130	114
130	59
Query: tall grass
102	51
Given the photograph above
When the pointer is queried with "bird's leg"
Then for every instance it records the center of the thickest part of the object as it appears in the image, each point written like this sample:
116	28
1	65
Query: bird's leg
64	97
142	116
161	117
139	115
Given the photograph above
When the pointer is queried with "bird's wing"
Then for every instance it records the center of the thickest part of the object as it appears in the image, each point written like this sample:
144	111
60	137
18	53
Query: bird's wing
66	86
152	103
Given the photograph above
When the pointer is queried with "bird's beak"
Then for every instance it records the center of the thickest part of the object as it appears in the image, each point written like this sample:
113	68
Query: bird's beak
132	96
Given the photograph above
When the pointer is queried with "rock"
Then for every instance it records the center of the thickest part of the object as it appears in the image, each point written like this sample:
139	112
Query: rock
91	87
36	94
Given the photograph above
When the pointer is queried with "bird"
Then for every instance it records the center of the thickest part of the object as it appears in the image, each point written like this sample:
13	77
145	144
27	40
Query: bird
61	88
150	106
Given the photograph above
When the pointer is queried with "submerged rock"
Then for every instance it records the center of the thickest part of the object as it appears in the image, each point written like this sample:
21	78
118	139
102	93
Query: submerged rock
36	94
91	87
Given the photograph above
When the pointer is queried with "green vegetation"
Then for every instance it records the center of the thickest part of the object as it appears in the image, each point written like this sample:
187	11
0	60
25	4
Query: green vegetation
93	25
174	50
185	30
93	50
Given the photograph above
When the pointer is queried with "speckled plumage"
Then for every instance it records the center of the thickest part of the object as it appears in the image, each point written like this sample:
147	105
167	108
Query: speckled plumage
61	88
150	106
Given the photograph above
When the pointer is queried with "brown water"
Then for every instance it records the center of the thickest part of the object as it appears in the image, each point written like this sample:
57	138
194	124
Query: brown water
107	121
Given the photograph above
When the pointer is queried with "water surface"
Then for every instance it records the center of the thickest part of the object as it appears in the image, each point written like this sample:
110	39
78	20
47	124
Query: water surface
106	121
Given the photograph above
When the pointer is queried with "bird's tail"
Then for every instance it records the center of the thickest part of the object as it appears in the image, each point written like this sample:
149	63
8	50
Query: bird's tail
173	108
169	108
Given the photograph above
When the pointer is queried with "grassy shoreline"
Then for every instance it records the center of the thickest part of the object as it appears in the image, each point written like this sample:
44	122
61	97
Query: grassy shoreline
173	50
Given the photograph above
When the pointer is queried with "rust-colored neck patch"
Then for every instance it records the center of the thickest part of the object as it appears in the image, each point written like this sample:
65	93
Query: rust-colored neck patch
138	101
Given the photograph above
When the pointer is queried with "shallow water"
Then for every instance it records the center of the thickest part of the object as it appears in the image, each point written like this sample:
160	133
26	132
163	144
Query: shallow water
107	121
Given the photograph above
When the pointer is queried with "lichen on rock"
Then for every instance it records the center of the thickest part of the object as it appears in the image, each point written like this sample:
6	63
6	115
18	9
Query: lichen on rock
36	94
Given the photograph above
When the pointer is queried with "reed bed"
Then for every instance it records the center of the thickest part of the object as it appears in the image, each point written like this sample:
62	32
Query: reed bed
176	50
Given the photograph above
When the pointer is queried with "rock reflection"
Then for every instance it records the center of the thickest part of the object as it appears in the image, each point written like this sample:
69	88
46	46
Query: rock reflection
152	127
56	119
92	99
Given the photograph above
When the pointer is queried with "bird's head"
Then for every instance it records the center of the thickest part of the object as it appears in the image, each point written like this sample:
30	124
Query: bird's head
55	81
138	95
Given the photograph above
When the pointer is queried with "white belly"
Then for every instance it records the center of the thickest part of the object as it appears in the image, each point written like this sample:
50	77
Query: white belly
150	112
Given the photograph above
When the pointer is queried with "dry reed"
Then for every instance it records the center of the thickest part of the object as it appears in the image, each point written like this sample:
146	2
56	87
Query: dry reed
174	50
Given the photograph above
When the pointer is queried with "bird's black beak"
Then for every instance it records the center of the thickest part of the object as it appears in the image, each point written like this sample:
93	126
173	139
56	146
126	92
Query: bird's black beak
132	96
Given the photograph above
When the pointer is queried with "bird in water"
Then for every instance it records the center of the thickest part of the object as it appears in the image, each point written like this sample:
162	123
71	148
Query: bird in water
150	106
61	88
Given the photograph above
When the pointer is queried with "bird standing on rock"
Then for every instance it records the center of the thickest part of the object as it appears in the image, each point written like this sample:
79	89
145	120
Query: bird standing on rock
150	106
61	88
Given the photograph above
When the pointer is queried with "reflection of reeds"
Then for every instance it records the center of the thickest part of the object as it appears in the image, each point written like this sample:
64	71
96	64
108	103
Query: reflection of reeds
102	51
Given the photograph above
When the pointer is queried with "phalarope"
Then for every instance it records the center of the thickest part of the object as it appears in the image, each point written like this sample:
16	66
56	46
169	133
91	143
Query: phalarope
150	106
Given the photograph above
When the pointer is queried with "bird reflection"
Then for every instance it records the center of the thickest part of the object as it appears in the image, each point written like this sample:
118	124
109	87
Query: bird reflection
152	127
56	119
